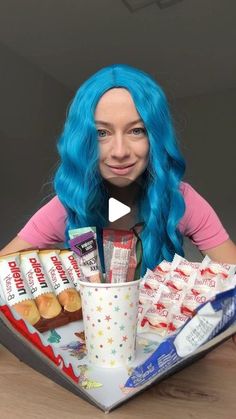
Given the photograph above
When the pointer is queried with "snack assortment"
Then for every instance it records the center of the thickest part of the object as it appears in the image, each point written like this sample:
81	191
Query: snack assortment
122	255
170	294
43	285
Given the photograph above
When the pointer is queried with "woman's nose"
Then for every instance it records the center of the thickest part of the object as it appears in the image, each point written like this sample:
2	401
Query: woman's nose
120	148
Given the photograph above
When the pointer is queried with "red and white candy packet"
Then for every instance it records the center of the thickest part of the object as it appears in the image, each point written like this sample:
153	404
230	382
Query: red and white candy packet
170	294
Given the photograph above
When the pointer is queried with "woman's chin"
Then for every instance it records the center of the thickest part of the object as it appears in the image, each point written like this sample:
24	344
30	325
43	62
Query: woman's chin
119	181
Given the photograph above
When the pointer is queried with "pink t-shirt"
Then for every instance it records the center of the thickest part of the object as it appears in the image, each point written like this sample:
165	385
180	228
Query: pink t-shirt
200	223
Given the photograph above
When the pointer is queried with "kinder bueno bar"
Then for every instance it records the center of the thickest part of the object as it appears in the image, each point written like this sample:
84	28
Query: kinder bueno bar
71	265
64	288
42	291
15	290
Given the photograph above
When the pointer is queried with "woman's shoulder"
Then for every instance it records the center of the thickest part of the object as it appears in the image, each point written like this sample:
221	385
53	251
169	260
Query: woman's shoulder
200	222
53	207
193	200
47	225
186	188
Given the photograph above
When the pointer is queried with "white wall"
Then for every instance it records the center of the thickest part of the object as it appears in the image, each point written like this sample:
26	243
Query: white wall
33	109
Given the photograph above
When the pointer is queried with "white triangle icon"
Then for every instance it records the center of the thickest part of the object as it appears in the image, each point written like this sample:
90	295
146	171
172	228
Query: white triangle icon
117	209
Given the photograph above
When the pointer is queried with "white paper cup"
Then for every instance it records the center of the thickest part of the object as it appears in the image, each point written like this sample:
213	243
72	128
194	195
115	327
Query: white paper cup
110	314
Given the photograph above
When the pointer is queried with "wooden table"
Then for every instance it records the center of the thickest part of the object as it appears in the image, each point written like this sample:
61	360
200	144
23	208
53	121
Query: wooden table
204	390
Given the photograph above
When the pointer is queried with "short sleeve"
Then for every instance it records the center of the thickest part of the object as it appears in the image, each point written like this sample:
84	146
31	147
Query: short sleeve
200	222
46	226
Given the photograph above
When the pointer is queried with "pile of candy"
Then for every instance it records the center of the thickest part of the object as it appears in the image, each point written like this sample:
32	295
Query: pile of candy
121	250
171	292
42	285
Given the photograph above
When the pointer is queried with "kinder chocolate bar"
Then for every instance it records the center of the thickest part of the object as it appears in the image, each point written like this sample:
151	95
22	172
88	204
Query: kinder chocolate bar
42	291
64	288
117	246
85	247
71	265
15	290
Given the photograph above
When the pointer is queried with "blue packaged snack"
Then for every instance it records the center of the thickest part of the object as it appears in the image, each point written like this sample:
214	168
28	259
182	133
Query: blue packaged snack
211	319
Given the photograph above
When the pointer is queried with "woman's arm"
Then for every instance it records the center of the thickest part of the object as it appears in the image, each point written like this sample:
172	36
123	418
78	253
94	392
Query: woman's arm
16	245
224	253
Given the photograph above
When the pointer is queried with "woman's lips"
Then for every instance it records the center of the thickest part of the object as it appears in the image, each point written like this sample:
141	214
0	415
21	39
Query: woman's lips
121	170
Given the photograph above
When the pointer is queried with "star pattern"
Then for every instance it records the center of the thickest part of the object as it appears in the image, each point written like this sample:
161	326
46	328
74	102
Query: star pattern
110	324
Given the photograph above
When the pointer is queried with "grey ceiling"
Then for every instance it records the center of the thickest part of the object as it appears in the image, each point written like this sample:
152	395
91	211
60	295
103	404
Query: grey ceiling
189	47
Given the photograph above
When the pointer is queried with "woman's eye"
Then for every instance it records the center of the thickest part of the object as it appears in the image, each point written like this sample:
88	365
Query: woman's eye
138	131
101	133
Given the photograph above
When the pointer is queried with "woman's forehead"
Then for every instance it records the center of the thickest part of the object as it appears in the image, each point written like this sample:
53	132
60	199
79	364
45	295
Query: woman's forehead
116	100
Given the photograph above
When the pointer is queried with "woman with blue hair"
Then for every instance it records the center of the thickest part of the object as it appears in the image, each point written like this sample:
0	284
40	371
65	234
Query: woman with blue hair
118	141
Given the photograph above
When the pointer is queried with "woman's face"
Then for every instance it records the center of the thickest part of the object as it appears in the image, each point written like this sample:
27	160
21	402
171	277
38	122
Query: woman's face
122	137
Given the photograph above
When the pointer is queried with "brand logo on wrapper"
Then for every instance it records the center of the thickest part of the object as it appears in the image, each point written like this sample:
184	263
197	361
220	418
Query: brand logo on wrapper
58	265
38	272
17	277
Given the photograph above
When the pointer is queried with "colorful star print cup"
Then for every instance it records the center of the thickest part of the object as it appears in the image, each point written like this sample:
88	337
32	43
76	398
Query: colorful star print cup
110	314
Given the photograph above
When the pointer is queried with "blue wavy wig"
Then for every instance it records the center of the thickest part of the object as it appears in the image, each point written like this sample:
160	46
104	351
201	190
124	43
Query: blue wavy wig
78	182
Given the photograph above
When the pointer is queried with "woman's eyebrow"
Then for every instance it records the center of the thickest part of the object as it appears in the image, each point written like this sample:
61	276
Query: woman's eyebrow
108	124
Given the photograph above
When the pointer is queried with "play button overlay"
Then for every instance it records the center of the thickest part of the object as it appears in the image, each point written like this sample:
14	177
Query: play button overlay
116	210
